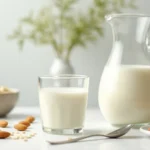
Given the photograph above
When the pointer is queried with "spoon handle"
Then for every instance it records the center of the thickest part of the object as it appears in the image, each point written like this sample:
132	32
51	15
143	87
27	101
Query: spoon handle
74	139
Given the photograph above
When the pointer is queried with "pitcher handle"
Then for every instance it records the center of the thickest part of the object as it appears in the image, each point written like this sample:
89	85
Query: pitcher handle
146	39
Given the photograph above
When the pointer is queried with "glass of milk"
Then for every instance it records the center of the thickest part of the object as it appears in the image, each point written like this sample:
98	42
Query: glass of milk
63	102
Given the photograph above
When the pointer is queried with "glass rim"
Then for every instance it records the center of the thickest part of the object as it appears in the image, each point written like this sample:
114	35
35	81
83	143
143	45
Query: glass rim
110	16
64	76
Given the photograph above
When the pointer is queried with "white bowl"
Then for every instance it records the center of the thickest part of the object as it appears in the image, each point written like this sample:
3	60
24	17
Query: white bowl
8	101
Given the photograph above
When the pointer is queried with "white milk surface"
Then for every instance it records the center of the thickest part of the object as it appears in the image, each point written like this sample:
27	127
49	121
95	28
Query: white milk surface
63	108
124	94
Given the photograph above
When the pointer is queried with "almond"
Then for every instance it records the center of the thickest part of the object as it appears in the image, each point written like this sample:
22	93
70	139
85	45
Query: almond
3	123
30	119
20	127
4	134
25	123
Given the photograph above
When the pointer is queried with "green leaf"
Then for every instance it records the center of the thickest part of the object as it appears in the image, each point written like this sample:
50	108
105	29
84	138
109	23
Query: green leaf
65	30
21	43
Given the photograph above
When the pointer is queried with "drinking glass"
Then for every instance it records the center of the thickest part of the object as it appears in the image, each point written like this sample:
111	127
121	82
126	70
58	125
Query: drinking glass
63	102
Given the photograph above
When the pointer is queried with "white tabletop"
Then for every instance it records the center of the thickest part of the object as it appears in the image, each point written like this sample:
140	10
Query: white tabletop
134	140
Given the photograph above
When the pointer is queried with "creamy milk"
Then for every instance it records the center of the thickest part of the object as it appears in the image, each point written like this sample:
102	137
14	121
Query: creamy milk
63	108
124	94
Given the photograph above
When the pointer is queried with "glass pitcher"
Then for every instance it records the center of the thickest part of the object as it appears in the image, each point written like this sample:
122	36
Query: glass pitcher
124	90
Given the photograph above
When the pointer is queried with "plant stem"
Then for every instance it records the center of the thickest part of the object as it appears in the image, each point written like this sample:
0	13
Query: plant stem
61	26
68	54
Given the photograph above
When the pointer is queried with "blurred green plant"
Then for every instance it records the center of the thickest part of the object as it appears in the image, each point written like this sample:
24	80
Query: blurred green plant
64	30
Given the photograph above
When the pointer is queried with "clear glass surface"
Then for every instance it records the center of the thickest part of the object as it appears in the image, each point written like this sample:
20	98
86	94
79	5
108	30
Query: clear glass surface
131	39
63	102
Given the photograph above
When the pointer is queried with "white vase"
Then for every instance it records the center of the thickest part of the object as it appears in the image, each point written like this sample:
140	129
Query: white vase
61	66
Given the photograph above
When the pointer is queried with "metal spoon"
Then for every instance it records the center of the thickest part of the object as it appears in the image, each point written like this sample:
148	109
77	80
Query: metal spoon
115	134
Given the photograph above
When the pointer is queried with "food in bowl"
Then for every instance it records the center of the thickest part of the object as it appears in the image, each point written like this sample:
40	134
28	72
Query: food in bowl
5	90
8	99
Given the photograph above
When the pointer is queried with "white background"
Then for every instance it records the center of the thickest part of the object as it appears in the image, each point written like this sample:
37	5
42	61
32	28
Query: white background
21	69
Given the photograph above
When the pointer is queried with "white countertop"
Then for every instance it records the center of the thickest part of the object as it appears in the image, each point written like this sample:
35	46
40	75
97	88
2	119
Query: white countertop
134	140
